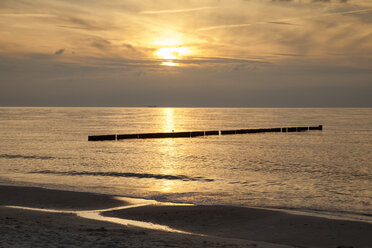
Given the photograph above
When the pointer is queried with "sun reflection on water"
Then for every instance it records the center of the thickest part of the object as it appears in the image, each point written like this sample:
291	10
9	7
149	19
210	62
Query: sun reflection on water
168	148
168	120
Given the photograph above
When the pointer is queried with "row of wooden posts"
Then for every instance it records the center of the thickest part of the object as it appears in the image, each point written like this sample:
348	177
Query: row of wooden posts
200	133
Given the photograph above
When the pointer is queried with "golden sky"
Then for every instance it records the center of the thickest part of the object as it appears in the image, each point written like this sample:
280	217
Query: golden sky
244	43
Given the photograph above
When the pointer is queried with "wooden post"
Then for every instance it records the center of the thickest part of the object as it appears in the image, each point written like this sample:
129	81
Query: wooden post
199	133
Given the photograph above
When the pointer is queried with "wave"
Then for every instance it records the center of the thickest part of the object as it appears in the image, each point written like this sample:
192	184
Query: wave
122	174
16	156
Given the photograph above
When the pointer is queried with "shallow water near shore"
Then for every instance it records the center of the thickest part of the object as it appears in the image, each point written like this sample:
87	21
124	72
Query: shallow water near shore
327	171
97	214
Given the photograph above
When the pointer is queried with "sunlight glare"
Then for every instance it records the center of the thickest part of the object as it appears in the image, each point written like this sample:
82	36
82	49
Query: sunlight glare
168	42
170	64
172	52
170	49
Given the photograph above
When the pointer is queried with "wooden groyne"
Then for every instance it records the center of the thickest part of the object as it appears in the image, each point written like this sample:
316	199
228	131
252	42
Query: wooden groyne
201	133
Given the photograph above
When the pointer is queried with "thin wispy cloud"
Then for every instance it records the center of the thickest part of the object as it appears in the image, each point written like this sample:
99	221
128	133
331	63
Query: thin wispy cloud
282	21
73	27
289	54
21	15
311	1
241	25
74	22
219	60
174	11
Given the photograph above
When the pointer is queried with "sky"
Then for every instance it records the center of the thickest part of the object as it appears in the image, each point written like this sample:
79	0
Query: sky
189	53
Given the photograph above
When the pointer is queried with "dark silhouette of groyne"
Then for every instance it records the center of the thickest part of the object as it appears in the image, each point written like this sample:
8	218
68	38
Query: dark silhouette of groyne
201	133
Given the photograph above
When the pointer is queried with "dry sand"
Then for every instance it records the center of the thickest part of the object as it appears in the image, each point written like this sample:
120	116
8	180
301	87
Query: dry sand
224	226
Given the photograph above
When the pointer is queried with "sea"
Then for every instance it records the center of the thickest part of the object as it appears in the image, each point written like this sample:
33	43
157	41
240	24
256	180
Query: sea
325	172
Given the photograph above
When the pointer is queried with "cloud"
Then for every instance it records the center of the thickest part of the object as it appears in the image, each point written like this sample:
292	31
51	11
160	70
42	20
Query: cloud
101	44
57	83
78	22
83	23
60	51
224	26
242	25
313	1
219	60
289	54
130	47
26	15
72	27
323	1
284	21
174	11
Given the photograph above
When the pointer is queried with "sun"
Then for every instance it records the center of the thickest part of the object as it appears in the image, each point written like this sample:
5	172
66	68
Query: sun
170	64
171	49
172	52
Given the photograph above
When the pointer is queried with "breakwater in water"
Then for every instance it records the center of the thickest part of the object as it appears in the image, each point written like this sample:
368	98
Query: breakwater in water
201	133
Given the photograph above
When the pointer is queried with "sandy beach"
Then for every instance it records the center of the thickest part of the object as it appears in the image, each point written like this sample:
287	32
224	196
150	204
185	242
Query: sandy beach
212	226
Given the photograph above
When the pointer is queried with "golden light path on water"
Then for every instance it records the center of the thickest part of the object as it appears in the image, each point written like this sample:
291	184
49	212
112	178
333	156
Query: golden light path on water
168	147
168	120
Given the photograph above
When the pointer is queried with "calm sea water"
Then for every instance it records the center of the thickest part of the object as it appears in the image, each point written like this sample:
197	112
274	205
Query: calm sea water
327	170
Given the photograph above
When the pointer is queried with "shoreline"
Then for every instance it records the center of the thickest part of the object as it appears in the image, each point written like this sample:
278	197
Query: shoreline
236	226
332	215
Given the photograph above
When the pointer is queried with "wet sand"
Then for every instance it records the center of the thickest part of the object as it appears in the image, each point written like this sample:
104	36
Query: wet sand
55	199
256	224
222	226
